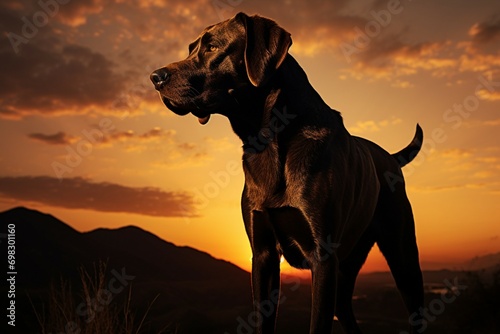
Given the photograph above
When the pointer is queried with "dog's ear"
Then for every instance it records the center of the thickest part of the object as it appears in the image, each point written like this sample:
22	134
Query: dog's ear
266	47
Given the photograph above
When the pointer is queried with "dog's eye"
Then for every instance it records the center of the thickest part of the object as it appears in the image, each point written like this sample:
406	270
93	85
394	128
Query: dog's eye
212	48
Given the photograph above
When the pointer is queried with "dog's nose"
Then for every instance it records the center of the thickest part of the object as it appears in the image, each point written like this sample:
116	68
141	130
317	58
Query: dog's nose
159	78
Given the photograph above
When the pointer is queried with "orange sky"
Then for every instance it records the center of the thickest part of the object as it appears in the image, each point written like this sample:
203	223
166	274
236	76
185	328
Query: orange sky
86	138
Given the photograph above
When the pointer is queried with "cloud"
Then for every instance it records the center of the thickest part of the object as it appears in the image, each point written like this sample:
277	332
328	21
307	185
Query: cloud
493	122
70	13
168	28
388	57
105	138
59	138
129	136
172	153
431	189
479	157
80	193
455	154
484	174
55	79
49	73
475	61
77	64
372	126
392	56
488	95
168	32
455	160
76	13
154	139
487	31
315	25
488	186
465	167
480	53
182	155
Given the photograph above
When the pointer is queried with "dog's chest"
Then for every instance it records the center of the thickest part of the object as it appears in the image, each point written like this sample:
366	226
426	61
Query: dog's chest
274	180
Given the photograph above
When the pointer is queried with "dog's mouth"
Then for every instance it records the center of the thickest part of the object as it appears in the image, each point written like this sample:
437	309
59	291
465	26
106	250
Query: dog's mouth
182	110
203	118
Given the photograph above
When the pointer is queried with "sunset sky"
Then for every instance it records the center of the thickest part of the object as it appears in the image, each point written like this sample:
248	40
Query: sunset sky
85	137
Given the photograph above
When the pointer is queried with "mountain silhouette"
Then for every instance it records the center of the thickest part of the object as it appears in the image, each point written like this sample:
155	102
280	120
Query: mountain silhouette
186	281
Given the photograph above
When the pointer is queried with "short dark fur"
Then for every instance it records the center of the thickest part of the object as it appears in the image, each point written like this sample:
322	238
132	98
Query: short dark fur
313	193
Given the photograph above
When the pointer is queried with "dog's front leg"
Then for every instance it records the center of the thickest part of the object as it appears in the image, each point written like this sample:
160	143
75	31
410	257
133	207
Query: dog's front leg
265	273
324	283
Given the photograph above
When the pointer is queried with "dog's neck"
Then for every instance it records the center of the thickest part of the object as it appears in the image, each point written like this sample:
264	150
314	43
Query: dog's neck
271	112
248	113
302	98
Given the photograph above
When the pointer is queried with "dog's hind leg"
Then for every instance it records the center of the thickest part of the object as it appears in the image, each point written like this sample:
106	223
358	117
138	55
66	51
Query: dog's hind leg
349	269
397	242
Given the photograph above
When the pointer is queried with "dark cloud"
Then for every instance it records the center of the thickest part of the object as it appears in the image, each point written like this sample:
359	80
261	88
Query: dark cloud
165	142
391	47
79	193
380	4
297	12
59	138
129	137
315	25
155	133
99	137
487	31
44	71
55	79
390	57
165	29
68	12
75	13
171	152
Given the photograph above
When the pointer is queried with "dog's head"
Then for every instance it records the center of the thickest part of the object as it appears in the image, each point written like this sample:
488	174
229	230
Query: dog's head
242	51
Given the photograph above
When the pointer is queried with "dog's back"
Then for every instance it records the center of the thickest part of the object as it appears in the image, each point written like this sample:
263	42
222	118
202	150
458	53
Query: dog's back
388	165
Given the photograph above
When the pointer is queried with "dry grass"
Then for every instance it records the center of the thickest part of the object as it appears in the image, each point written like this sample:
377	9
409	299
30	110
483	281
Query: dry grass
97	311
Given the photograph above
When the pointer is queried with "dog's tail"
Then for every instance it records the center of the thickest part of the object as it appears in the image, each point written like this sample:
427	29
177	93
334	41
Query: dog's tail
407	154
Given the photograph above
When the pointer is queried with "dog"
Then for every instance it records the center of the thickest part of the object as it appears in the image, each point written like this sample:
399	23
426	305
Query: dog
313	193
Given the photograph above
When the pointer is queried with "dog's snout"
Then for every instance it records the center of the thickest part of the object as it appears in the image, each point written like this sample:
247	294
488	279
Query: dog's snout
159	78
